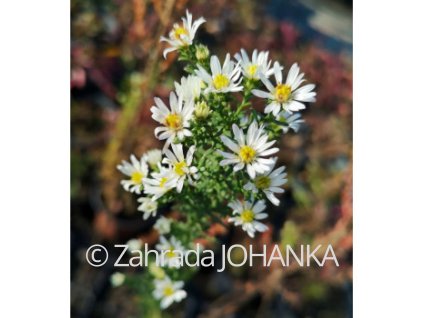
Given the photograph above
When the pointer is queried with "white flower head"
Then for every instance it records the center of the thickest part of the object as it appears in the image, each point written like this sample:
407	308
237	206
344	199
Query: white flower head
137	170
189	88
153	157
160	183
168	292
182	34
269	182
180	165
293	121
175	120
223	79
162	225
172	251
134	245
288	96
259	64
246	214
117	279
248	150
148	206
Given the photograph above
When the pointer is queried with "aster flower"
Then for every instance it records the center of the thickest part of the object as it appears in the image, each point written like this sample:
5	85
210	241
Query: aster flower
172	251
117	279
288	96
175	120
180	165
134	245
160	183
246	214
148	206
189	88
137	170
269	182
168	291
248	150
222	79
292	121
183	34
153	157
259	64
162	225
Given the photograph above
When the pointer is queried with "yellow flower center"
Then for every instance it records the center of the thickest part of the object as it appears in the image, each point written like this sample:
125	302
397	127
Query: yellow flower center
262	182
220	81
163	182
173	121
178	31
282	92
252	69
247	154
168	291
171	252
247	216
179	168
136	177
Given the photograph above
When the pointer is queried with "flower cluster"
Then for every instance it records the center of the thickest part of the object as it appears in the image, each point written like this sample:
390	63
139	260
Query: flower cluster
217	162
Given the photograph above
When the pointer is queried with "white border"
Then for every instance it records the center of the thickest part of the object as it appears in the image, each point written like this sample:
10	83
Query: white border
387	158
35	156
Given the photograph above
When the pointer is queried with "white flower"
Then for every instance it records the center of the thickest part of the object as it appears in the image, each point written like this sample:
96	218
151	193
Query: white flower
248	150
148	206
189	88
292	121
180	165
223	79
137	170
246	214
172	251
168	292
269	182
286	95
182	35
134	245
117	279
259	64
153	157
163	225
175	120
162	182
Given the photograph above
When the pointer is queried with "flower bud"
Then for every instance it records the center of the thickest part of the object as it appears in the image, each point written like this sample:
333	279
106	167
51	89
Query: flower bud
201	110
201	52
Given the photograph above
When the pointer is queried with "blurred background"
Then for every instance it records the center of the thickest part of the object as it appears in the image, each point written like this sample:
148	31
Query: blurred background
117	68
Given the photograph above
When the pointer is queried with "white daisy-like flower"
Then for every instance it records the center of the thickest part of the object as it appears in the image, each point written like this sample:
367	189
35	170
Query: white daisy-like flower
293	121
172	251
269	182
189	88
137	170
162	225
182	34
168	291
223	79
175	120
246	214
248	150
134	245
259	64
288	96
180	165
153	157
117	279
148	206
160	183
